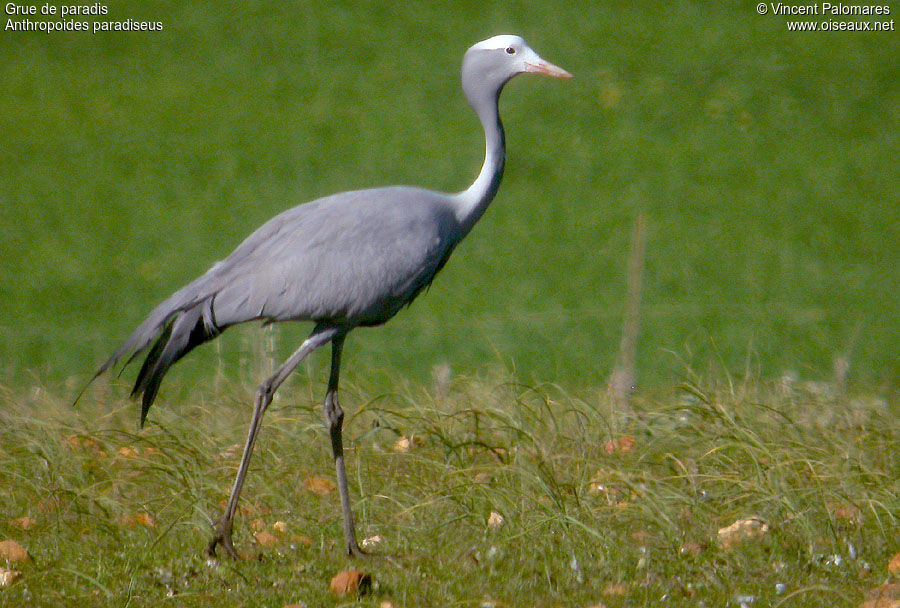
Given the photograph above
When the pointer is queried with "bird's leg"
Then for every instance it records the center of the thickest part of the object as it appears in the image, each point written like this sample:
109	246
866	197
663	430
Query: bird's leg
334	415
223	527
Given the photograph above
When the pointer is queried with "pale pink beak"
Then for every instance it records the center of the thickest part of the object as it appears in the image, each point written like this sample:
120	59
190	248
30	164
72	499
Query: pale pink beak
546	68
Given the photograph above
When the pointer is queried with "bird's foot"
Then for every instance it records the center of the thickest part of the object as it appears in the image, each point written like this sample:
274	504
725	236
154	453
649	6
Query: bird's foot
353	550
222	534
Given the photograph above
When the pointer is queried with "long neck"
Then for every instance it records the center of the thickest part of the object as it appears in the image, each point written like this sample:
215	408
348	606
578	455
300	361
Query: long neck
472	202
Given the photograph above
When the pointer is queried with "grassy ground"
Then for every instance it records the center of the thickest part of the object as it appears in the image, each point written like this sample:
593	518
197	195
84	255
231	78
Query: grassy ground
598	507
761	159
131	161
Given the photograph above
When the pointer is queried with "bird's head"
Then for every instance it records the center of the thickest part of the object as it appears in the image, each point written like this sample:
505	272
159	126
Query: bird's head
492	62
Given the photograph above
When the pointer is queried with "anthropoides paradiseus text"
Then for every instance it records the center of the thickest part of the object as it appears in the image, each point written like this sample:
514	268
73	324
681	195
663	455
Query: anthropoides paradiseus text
49	17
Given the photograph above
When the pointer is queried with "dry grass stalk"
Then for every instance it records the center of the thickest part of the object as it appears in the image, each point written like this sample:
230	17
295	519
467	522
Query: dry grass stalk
622	380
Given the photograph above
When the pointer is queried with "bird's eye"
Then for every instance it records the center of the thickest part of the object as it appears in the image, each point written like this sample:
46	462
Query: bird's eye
510	50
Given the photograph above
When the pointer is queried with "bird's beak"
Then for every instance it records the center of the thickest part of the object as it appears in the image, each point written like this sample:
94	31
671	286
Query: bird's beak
545	68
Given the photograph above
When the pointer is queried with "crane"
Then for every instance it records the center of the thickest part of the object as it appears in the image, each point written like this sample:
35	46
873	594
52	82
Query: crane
343	261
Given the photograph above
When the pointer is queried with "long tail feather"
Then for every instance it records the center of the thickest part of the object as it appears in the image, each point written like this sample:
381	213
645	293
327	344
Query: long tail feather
172	330
190	329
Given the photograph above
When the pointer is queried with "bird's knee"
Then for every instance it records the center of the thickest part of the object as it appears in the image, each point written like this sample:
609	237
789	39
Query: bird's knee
334	415
264	392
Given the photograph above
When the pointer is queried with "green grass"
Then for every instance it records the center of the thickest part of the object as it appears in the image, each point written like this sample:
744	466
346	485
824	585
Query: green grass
762	158
584	523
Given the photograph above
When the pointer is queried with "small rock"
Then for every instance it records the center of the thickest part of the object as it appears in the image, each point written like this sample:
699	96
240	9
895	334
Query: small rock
619	446
127	451
144	519
371	542
386	604
266	539
138	519
894	565
12	552
626	442
351	582
742	530
321	486
402	445
495	520
23	523
405	444
8	577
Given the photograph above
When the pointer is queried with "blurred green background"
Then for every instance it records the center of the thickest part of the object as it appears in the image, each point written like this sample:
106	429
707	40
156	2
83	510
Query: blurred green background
765	162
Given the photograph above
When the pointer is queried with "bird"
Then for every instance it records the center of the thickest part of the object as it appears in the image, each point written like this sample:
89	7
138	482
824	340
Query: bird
344	261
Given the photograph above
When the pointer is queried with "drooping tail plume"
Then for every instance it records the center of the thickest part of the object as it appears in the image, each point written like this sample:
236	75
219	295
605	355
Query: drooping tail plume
190	329
172	330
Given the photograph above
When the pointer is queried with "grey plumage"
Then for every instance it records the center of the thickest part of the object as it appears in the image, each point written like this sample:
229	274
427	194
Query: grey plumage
351	259
343	261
